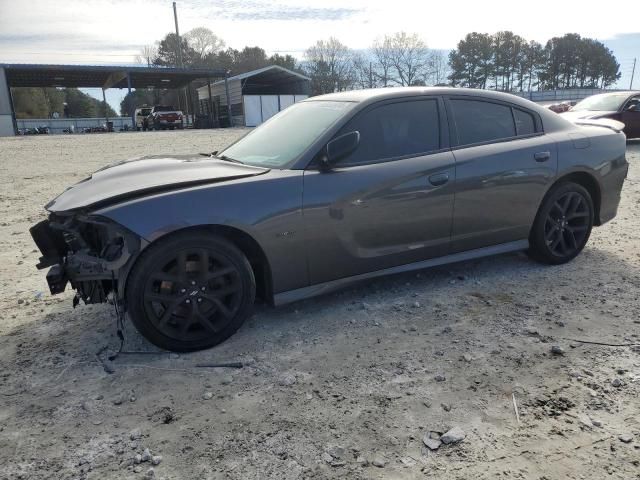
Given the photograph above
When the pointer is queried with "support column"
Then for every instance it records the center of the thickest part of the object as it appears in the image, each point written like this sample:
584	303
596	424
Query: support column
132	107
210	103
7	117
104	104
226	87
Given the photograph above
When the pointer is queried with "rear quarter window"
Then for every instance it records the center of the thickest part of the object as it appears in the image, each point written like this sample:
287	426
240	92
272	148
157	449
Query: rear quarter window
478	121
525	123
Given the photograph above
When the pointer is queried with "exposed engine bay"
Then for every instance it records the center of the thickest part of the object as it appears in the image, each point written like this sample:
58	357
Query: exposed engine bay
89	252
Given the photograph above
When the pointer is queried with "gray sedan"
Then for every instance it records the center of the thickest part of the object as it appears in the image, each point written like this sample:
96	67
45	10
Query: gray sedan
335	189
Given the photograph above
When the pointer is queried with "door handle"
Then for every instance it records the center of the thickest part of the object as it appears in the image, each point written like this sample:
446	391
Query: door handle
438	179
542	156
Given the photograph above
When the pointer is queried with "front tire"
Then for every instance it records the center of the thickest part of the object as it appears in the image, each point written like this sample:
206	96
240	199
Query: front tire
190	291
563	224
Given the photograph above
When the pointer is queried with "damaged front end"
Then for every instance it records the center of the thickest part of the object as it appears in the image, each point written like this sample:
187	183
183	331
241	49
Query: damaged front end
90	252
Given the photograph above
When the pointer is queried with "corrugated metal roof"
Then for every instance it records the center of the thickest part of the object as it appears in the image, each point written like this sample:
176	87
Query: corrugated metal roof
276	69
36	75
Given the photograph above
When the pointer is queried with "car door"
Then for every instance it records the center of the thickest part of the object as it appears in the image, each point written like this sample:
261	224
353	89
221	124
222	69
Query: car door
388	203
631	118
504	166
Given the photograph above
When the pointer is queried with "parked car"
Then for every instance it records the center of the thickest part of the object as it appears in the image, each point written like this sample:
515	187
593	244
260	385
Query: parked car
621	106
334	189
141	115
163	117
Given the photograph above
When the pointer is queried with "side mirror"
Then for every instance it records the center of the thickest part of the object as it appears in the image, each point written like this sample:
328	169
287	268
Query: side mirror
339	148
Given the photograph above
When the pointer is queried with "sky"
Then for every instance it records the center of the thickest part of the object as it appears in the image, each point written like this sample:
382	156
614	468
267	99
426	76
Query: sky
113	31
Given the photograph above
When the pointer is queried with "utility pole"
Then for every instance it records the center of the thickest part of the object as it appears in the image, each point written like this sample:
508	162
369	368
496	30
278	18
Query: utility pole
633	71
175	18
179	42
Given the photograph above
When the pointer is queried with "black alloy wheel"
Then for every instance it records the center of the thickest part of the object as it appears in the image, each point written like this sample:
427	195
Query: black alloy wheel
567	224
563	224
190	294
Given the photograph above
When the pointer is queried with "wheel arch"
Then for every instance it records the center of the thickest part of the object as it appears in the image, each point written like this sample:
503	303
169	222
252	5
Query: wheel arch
586	180
242	240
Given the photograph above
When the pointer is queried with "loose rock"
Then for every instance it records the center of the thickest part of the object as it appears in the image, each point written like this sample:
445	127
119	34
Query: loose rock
156	459
557	350
625	438
207	395
455	435
440	378
146	455
431	443
379	461
287	380
616	382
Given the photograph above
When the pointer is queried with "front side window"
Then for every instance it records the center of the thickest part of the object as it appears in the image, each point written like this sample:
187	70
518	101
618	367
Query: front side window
478	121
286	135
395	130
633	101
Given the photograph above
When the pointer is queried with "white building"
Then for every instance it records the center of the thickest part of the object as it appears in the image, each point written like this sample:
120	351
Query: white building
255	96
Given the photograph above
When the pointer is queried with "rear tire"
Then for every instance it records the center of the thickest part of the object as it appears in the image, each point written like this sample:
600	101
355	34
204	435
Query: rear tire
190	291
563	224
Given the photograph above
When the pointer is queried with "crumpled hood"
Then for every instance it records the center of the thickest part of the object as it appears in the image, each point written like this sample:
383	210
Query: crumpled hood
582	114
147	175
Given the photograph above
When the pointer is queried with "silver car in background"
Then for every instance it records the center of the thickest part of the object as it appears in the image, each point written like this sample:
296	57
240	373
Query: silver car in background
335	189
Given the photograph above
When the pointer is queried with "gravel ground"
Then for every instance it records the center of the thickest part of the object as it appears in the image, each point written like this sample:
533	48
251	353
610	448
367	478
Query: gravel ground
350	385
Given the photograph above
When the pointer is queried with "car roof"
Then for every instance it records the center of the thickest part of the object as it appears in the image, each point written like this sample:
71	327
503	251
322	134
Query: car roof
367	96
375	94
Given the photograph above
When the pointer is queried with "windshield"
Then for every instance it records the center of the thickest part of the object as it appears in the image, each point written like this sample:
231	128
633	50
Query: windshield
145	111
601	103
284	137
164	108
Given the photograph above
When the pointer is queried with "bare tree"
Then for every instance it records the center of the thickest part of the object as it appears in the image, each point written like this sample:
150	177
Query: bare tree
364	74
147	54
438	68
204	41
409	57
381	51
329	63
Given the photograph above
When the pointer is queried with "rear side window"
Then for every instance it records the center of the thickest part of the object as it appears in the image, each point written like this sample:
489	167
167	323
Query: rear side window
478	121
525	124
395	130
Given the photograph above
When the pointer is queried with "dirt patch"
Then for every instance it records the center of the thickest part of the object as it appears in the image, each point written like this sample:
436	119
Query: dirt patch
343	386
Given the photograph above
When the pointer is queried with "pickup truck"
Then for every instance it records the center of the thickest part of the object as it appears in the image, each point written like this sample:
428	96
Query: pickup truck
163	117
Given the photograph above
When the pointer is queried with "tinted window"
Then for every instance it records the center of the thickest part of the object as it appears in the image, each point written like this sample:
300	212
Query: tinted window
286	135
525	124
395	130
479	121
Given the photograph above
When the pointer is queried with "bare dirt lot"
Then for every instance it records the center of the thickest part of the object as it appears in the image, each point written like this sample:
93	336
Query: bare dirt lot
343	386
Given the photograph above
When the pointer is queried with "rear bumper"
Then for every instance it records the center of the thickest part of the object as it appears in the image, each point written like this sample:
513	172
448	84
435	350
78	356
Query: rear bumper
611	188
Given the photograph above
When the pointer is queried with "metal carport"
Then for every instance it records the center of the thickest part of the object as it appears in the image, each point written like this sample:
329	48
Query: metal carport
91	76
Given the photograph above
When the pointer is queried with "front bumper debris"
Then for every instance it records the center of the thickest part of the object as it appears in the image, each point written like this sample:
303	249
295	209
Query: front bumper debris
90	253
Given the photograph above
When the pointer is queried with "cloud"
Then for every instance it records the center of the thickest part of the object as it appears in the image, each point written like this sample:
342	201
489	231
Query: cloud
293	14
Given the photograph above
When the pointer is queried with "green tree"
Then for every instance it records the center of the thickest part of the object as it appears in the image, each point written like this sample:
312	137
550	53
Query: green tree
167	55
471	62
